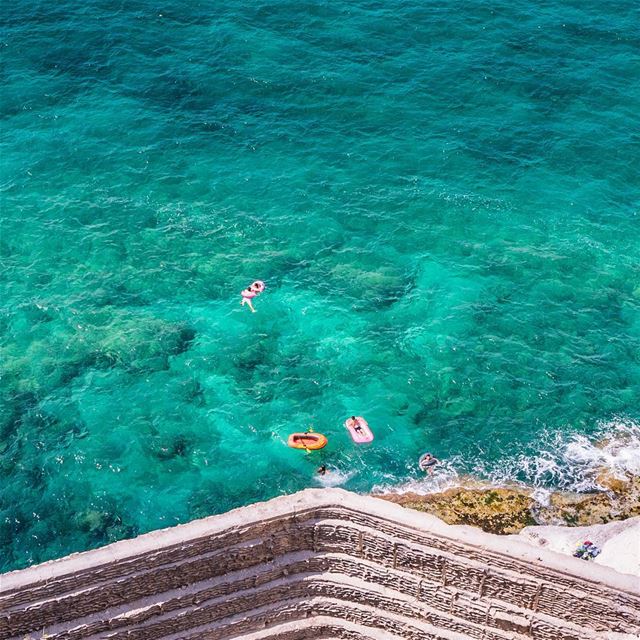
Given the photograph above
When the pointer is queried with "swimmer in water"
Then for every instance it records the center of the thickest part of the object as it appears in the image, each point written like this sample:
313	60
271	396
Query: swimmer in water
322	470
427	462
251	292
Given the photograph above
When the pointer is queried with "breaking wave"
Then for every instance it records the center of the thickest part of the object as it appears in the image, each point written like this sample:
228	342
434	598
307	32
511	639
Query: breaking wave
564	462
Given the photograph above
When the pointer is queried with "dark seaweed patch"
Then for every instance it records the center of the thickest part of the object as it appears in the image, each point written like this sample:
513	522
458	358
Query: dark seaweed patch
186	337
193	392
178	446
17	406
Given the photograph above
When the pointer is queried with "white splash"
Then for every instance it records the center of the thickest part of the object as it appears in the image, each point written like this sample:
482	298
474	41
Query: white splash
568	462
444	476
573	462
334	477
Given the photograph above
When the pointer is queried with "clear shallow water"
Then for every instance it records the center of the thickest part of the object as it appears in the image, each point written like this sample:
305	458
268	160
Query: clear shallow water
442	199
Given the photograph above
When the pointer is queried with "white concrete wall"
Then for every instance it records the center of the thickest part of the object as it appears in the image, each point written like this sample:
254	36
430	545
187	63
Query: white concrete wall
321	563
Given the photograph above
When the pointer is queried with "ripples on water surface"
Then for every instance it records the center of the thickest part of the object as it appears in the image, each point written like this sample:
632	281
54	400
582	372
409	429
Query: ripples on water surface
442	199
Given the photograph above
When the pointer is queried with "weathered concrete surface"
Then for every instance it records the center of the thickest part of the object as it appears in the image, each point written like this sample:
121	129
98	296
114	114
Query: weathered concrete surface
322	563
619	542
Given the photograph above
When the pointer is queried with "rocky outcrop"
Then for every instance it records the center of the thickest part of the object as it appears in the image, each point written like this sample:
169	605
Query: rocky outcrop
318	564
505	510
495	510
621	501
612	482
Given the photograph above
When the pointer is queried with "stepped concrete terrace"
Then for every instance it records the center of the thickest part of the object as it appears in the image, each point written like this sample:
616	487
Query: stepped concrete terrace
322	563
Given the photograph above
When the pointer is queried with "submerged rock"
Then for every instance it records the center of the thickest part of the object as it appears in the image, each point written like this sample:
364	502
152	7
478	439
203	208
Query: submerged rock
141	343
169	447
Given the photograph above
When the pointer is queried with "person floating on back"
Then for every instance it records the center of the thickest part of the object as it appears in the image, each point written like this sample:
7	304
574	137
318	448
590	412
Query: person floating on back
253	290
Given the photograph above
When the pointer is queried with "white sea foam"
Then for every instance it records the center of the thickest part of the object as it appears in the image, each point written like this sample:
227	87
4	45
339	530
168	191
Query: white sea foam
563	462
334	477
445	476
572	462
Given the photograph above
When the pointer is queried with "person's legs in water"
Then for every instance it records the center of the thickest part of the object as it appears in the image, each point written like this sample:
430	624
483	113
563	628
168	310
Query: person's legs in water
247	301
247	295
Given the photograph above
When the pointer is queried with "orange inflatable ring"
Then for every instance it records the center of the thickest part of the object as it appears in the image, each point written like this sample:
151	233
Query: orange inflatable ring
309	441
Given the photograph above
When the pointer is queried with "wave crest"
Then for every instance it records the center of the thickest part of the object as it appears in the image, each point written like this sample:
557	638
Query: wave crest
564	462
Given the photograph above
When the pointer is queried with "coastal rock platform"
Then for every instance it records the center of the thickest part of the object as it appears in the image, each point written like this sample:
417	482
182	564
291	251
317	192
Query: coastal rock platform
322	563
506	510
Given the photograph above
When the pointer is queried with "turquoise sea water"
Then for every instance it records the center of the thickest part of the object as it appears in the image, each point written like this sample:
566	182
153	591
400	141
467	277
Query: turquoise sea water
442	197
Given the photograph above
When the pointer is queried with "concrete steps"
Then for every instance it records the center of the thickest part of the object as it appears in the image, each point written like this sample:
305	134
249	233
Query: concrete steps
331	565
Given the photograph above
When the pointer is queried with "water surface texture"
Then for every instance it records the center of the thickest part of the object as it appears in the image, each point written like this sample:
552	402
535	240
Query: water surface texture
442	198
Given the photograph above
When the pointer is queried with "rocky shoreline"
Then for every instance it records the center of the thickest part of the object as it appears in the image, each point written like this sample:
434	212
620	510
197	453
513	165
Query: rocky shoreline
508	510
609	518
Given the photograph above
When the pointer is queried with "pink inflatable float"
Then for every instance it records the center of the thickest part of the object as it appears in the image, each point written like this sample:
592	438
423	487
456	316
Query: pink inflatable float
253	290
358	429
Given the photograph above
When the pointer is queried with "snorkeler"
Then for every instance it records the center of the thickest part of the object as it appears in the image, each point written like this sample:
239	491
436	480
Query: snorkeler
253	290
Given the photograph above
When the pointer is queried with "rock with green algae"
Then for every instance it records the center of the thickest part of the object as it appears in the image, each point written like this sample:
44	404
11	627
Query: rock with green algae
496	510
141	343
594	508
613	482
508	510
